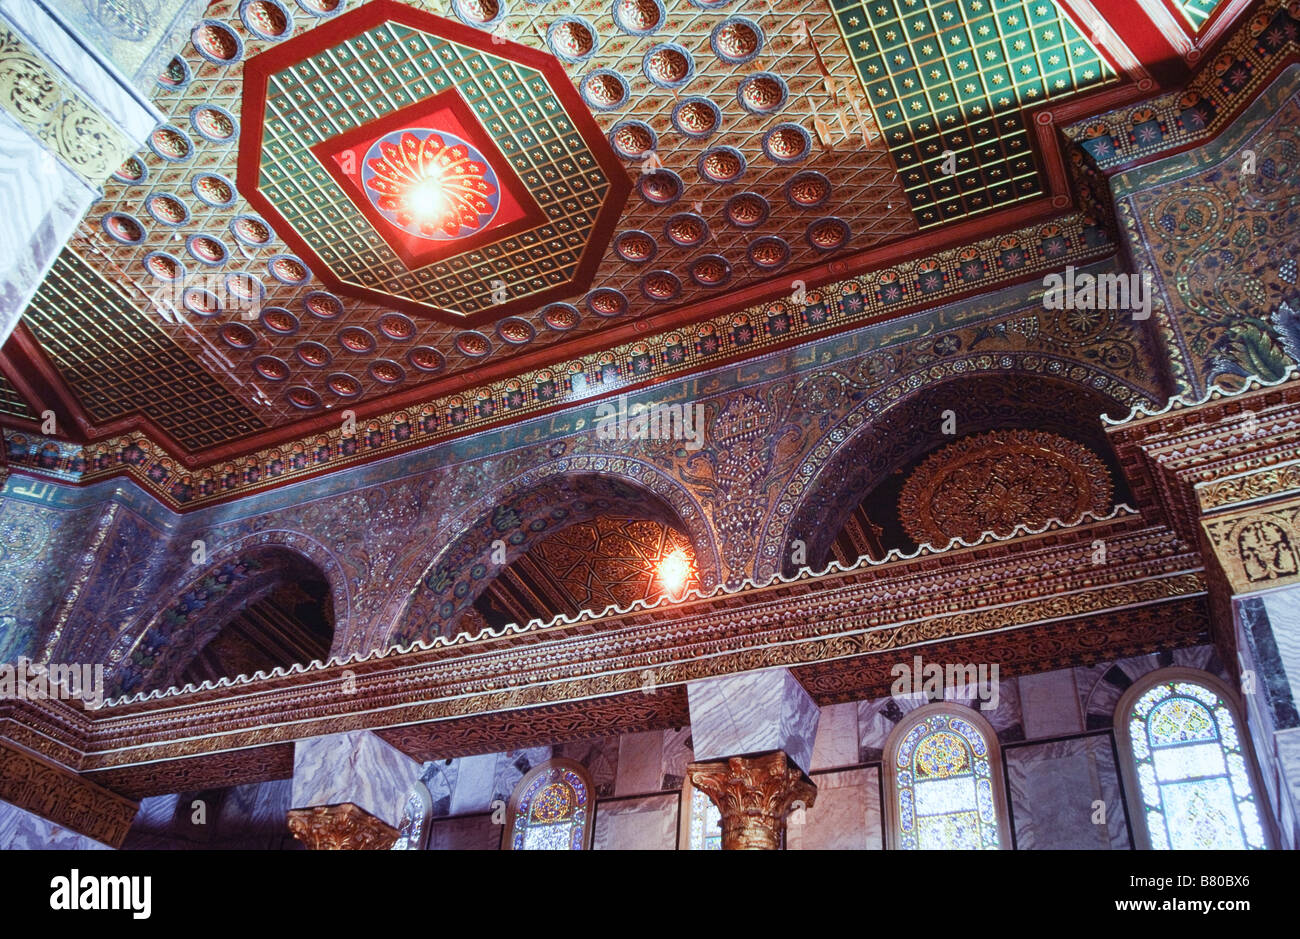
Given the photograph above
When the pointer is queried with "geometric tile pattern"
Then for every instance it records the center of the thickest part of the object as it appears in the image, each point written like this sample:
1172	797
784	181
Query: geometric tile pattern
948	82
386	71
117	361
13	403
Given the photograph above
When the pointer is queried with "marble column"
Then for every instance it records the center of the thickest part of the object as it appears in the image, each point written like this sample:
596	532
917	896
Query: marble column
349	791
753	739
1268	643
68	118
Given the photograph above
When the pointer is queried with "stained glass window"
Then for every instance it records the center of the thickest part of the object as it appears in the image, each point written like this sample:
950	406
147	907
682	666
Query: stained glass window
1193	774
945	787
552	809
413	832
706	823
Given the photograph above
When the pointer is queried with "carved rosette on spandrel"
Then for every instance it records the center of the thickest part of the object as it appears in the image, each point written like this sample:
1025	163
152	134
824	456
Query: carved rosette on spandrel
754	794
343	827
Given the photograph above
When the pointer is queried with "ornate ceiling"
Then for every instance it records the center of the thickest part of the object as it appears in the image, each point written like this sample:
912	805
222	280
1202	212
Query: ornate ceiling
353	205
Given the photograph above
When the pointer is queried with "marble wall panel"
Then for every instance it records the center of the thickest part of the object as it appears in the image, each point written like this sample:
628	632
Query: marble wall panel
21	830
640	763
679	751
475	781
647	823
837	737
753	713
512	766
1054	788
600	756
1049	704
844	817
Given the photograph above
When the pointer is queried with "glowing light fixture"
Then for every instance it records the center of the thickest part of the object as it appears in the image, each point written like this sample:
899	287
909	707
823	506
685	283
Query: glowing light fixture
673	572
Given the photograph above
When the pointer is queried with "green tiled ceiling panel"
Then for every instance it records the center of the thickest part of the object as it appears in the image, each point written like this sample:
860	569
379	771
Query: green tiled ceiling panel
1197	12
956	76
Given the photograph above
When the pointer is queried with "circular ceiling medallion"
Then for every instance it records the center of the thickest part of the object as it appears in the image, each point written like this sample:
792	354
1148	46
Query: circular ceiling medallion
473	343
480	13
746	210
686	229
304	398
288	270
661	187
696	117
250	230
266	19
998	480
668	65
322	305
357	340
712	270
133	172
213	123
343	385
721	165
214	190
604	89
386	371
661	286
515	330
244	286
787	143
167	209
638	17
320	7
633	140
571	39
636	246
206	250
271	368
397	326
171	144
426	359
768	253
176	75
201	302
763	93
217	42
279	321
606	301
828	234
710	4
122	228
807	190
313	354
237	336
561	316
164	266
736	40
431	184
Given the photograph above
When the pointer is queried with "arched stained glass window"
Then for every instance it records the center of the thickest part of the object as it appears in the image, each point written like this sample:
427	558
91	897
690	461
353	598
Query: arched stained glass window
944	780
551	809
705	831
1194	777
413	832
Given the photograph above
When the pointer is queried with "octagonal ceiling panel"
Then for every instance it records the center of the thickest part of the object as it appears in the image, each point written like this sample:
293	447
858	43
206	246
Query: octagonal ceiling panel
415	161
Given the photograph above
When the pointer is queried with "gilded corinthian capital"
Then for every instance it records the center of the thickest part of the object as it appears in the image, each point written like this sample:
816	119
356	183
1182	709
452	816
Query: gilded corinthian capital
343	827
755	794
